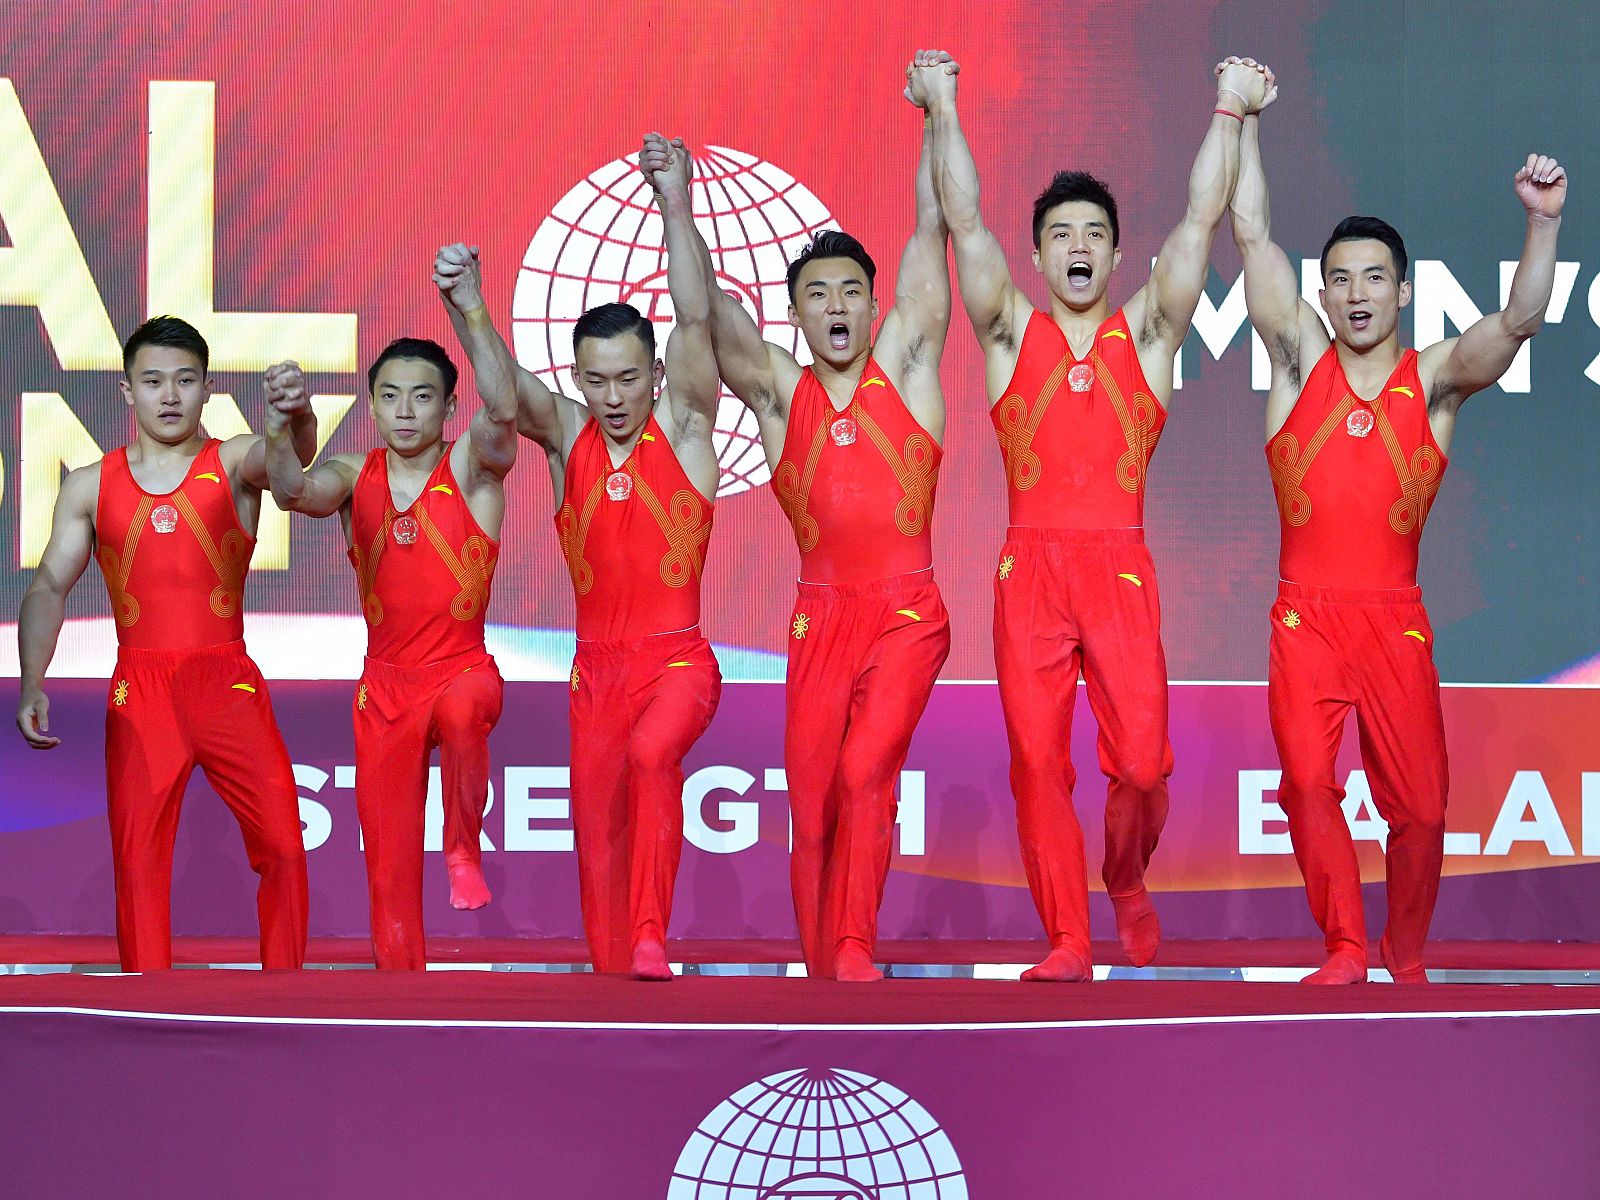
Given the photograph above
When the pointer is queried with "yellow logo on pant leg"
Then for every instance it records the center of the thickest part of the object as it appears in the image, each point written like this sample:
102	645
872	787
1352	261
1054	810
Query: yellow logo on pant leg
574	677
680	664
1292	619
1006	564
908	612
245	687
1418	634
801	624
1131	578
120	696
361	698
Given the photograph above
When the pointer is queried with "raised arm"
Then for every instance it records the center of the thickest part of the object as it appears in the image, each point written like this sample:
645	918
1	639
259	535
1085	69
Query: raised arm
760	374
911	339
1160	313
44	605
693	387
996	307
1291	330
323	489
503	384
1455	368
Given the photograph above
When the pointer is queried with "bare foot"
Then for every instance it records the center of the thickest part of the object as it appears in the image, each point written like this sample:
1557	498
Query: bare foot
650	962
1343	967
1064	965
1138	927
467	888
852	964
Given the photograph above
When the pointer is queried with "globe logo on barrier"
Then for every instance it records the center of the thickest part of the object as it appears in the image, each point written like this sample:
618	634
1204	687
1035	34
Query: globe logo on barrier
820	1134
603	243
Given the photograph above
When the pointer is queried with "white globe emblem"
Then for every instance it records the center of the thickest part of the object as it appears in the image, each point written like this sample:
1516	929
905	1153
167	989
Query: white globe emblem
832	1134
603	243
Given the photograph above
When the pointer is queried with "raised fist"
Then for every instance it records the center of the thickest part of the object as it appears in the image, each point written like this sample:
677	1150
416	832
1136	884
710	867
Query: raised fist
1252	82
287	396
665	165
1542	186
931	79
458	277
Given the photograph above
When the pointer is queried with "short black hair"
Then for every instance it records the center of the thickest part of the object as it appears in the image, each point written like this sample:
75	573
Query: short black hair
832	243
613	320
166	331
1066	187
422	349
1365	229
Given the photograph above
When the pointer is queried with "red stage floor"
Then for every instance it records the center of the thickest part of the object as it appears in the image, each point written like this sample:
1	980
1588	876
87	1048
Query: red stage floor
1306	952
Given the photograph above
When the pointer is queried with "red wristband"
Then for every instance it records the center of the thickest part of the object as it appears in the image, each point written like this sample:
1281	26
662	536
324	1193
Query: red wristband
1228	113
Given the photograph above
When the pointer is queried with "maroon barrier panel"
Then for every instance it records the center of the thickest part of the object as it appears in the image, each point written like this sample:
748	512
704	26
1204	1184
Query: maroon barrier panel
1523	847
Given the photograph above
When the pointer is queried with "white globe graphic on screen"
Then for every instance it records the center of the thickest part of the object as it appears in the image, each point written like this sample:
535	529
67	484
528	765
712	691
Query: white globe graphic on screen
604	244
822	1134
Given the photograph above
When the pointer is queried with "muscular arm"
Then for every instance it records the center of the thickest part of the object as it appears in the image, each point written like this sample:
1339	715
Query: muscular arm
1160	313
692	383
760	374
44	605
911	339
541	415
1289	327
996	307
1455	369
317	492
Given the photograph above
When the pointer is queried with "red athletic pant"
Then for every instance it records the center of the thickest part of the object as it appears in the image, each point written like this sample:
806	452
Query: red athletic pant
1066	601
636	709
1335	649
401	714
862	661
168	711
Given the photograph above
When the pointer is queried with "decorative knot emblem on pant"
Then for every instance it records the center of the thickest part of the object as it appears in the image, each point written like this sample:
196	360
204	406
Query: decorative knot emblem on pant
1292	619
801	624
361	698
1006	564
120	696
574	678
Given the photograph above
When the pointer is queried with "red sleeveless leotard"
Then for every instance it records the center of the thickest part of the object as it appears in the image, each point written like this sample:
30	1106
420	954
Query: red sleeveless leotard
1355	480
174	564
1076	435
858	485
424	573
634	537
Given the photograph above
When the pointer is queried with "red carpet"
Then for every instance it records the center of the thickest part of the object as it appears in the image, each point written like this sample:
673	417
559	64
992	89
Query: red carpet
743	1000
